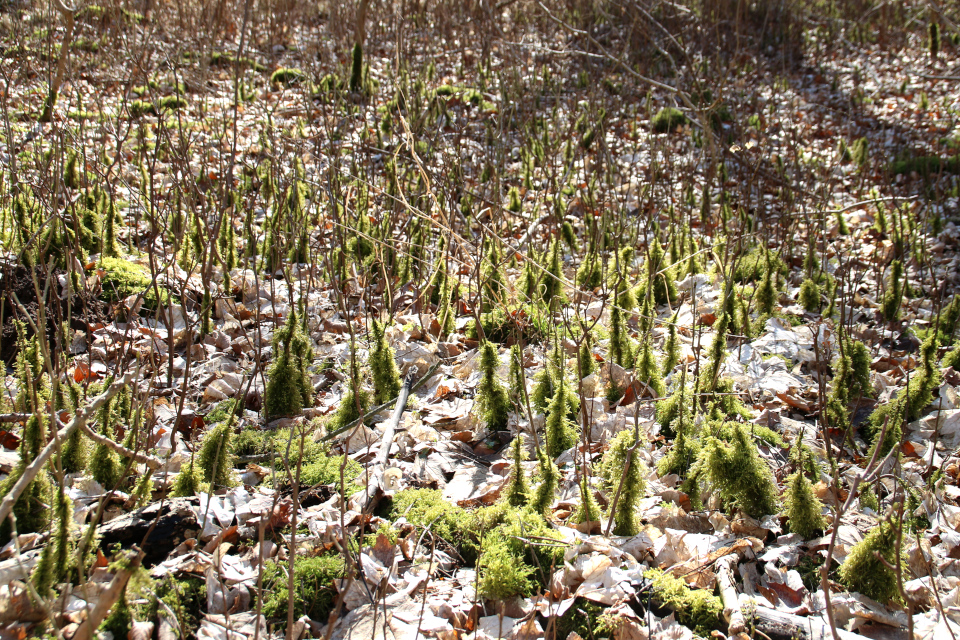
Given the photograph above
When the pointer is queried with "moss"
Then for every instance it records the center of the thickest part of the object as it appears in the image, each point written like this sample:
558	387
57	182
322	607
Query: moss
223	411
289	387
909	402
386	376
590	272
140	108
188	482
123	278
660	277
739	475
502	575
214	458
671	409
630	480
926	165
860	152
250	441
952	359
287	76
325	470
525	323
314	579
186	597
865	573
694	608
545	493
893	295
551	287
517	527
517	491
560	430
493	401
668	119
426	507
120	619
30	509
587	510
171	103
809	295
356	68
803	509
587	620
105	465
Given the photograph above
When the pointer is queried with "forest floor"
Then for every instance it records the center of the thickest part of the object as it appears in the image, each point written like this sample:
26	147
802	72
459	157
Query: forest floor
718	301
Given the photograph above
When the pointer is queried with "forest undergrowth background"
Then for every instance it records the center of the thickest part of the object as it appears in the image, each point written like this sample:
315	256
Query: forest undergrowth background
523	319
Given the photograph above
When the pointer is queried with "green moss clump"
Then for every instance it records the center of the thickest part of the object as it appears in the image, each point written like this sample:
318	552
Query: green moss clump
289	387
668	120
508	324
189	482
518	526
426	507
186	597
810	295
120	619
518	489
492	398
892	297
546	491
501	575
694	608
356	68
865	573
171	103
860	152
926	165
287	76
223	411
630	480
30	509
314	579
910	402
952	359
123	278
140	108
386	376
934	39
803	509
214	457
741	478
325	470
588	620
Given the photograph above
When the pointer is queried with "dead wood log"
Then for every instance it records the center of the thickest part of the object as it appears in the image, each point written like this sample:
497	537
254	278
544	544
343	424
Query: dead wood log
778	625
174	518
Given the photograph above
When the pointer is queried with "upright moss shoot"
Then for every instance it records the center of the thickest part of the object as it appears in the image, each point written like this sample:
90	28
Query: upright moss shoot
386	376
804	510
214	458
622	471
517	492
739	475
869	568
492	398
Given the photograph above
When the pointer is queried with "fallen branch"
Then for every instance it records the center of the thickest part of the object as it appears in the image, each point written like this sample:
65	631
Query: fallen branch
107	599
152	463
81	417
395	420
14	417
379	408
728	594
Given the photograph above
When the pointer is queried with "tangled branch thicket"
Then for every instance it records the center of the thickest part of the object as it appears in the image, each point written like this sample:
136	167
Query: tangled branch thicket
671	267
